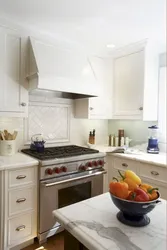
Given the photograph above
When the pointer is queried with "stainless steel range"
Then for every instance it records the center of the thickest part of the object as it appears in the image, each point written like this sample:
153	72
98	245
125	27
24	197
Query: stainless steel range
67	174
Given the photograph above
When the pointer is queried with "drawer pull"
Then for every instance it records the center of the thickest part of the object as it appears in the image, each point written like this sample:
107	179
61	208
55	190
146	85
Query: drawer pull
21	200
21	177
20	228
125	165
154	173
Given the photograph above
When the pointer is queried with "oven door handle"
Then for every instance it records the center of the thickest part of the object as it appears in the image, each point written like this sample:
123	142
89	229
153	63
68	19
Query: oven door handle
73	179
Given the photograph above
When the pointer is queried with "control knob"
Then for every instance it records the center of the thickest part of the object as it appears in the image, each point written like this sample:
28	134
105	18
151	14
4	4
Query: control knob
63	169
101	162
95	163
49	171
82	168
57	170
89	164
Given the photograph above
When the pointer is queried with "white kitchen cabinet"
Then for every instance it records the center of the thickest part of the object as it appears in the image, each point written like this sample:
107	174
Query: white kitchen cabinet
19	206
161	186
149	173
13	94
105	178
97	107
128	85
121	164
135	82
93	108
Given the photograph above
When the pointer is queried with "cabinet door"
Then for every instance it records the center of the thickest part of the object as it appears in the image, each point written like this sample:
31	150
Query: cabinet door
100	108
13	96
128	84
161	186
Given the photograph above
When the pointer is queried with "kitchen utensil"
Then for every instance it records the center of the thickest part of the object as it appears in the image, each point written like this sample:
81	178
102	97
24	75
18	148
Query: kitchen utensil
15	135
153	140
7	147
2	134
37	143
133	213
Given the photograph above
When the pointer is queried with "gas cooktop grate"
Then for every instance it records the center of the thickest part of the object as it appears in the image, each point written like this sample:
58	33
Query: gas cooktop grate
60	152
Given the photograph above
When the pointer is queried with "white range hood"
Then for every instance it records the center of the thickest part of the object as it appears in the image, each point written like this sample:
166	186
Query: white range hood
62	70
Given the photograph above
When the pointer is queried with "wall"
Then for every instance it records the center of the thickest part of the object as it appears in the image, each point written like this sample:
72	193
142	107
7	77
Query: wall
162	60
136	130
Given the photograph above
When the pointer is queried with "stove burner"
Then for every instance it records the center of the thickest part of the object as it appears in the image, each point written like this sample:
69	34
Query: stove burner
60	152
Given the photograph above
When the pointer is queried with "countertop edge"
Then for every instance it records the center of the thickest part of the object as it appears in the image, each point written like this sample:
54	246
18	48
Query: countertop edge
136	158
75	232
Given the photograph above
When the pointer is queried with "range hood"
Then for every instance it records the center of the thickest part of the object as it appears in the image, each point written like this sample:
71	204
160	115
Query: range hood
61	70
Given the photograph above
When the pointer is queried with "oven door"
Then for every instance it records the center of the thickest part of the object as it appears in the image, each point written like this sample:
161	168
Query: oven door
58	193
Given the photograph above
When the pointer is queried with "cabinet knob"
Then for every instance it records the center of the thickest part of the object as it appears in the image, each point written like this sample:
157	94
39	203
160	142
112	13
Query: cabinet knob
154	173
91	108
141	108
21	200
23	104
21	177
125	165
20	228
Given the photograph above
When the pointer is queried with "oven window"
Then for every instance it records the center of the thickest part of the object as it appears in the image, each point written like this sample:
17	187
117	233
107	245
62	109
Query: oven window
71	195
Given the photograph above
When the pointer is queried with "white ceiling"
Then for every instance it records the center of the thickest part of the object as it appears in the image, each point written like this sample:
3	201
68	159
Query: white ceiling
91	23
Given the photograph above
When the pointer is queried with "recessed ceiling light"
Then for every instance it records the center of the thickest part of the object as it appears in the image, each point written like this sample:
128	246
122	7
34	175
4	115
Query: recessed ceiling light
110	46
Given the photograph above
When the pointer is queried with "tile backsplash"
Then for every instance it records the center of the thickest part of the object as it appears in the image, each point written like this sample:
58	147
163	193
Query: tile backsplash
79	129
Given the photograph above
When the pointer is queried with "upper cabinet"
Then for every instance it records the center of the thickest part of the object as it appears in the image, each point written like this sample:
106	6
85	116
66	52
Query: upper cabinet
13	94
135	82
97	107
60	69
128	85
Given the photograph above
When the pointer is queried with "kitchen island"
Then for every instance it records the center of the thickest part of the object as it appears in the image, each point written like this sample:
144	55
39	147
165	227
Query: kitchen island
92	224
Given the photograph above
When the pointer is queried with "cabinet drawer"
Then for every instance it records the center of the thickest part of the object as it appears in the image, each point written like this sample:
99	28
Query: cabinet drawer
162	188
21	200
124	164
20	228
21	177
153	172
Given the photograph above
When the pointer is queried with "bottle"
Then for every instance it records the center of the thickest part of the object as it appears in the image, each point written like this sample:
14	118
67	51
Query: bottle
112	140
90	137
93	137
122	141
109	140
120	134
127	141
116	141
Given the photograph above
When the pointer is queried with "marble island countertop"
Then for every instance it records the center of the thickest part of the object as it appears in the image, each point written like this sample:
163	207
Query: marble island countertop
93	222
17	161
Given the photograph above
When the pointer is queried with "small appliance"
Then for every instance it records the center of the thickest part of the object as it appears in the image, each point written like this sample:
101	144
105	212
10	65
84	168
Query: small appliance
153	140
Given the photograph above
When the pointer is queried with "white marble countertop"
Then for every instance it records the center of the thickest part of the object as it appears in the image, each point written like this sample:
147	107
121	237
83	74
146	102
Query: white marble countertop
156	159
93	222
16	161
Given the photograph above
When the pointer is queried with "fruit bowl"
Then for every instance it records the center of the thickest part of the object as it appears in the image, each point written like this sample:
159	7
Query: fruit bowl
133	213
